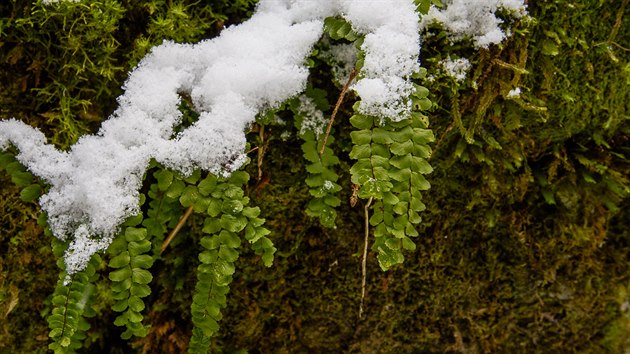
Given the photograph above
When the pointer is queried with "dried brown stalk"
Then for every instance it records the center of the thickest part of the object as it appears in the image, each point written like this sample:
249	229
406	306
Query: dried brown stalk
353	74
178	227
365	251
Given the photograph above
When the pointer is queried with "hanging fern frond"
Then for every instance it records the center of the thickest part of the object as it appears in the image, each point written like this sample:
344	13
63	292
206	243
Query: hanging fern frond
164	208
322	180
71	303
227	215
322	177
390	168
130	279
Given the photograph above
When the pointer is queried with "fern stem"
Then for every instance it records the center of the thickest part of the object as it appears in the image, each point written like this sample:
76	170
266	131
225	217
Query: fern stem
65	307
261	152
353	74
178	227
365	251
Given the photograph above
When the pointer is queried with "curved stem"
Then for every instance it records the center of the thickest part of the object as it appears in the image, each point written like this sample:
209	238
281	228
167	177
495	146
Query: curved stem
353	74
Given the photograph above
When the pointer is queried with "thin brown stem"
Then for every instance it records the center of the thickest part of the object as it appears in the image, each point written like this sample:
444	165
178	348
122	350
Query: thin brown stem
178	227
353	74
261	152
366	211
251	150
618	21
441	139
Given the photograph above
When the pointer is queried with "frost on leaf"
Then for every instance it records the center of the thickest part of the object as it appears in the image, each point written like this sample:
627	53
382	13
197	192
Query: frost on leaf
313	118
344	56
247	69
51	2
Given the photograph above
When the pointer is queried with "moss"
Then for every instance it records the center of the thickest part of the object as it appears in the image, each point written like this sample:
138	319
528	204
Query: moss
27	274
524	243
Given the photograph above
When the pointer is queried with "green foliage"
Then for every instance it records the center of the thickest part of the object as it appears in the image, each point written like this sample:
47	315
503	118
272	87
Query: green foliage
63	64
525	232
322	180
130	278
84	39
322	177
183	21
226	215
422	6
19	175
164	207
71	302
390	168
338	28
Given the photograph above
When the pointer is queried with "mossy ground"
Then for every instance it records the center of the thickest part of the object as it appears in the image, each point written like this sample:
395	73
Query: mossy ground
524	246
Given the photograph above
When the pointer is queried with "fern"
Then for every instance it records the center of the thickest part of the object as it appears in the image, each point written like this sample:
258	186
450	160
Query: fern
322	178
130	279
391	160
71	303
164	208
390	168
227	215
73	294
338	28
19	175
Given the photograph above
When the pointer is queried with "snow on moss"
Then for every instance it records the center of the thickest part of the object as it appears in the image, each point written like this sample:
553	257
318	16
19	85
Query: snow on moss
391	49
456	68
514	93
474	19
51	2
247	69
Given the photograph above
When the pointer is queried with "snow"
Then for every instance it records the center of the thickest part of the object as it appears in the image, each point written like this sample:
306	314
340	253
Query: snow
391	49
456	68
344	57
312	118
474	19
515	92
246	70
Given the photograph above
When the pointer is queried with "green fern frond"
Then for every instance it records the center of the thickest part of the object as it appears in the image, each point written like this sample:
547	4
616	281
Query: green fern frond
130	279
390	168
71	302
322	180
227	215
164	208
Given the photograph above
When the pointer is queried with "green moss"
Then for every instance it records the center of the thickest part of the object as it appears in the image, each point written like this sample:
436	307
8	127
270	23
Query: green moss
27	274
524	243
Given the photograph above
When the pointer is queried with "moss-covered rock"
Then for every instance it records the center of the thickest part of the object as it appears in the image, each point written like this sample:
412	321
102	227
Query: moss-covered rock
524	245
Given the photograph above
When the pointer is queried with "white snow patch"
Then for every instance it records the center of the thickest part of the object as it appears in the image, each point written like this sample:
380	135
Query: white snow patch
391	48
456	68
312	118
474	19
515	92
247	69
344	57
